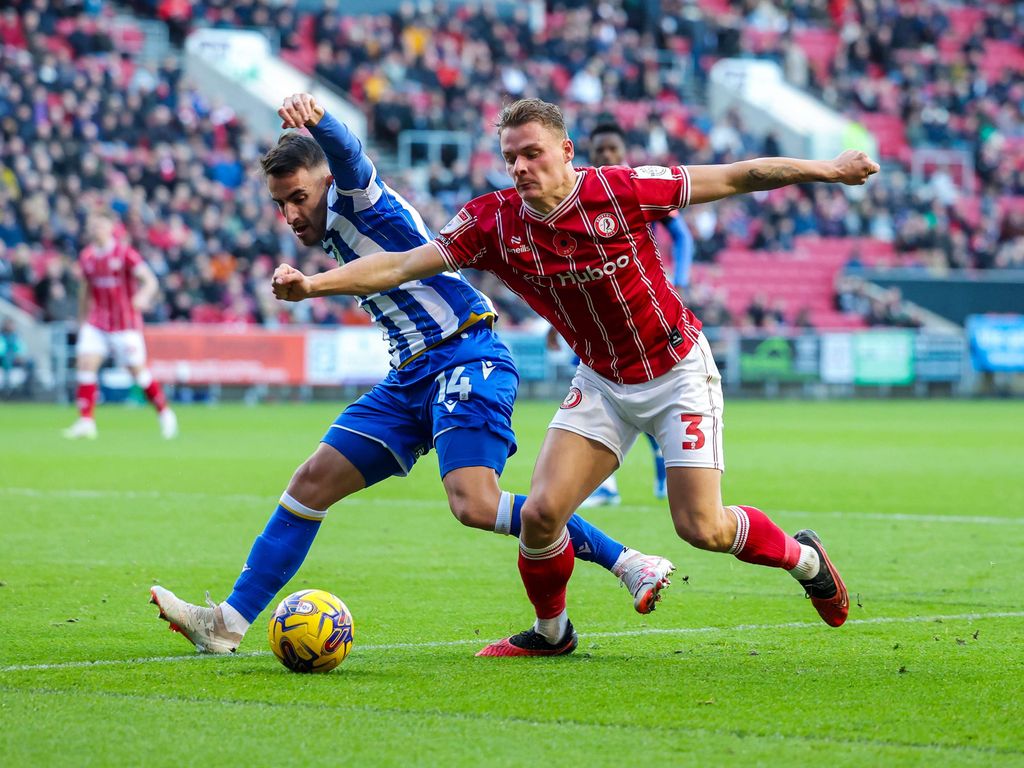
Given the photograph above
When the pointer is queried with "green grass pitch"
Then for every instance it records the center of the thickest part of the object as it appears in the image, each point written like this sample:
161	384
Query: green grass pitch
919	503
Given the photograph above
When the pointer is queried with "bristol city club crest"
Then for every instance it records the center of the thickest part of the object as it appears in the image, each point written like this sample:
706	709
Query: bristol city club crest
606	225
574	398
565	244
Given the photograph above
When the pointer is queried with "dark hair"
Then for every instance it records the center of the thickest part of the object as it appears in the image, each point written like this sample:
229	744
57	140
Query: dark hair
532	111
608	127
292	152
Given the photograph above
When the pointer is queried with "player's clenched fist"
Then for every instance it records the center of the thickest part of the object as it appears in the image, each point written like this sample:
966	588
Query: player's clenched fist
300	109
854	167
289	284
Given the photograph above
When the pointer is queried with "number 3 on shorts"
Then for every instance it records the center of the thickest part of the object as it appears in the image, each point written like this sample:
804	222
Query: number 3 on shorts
692	421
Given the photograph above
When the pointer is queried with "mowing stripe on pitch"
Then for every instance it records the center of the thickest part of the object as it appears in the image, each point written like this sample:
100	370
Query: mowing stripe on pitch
583	635
270	501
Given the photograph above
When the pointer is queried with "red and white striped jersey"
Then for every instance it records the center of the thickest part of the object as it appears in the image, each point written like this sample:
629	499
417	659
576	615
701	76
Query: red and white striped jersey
110	280
590	267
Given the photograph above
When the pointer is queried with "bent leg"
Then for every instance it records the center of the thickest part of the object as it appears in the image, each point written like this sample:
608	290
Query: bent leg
323	479
477	501
696	500
150	387
568	469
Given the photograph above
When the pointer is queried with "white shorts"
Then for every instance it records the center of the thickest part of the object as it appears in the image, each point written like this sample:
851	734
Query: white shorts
681	408
128	348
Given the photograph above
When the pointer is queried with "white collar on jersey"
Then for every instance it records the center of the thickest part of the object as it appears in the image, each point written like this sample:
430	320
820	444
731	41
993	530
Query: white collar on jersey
566	201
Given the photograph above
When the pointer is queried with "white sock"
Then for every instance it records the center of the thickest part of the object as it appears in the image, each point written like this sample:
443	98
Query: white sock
503	522
553	629
610	484
808	565
233	620
620	563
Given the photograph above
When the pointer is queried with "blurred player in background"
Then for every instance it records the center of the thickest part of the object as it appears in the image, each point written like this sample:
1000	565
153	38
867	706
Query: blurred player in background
117	285
608	147
577	246
451	388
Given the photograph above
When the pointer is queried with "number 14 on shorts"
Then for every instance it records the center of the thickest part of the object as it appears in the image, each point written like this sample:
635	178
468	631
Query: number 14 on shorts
456	385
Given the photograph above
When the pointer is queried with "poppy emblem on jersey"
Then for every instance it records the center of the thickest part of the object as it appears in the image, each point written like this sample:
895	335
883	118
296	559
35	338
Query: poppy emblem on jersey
606	225
565	245
574	398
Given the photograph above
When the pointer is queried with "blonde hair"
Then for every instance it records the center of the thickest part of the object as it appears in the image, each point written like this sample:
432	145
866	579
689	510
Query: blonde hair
526	111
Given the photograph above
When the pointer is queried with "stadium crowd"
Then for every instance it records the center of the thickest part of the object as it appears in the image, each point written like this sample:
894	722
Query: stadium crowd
84	123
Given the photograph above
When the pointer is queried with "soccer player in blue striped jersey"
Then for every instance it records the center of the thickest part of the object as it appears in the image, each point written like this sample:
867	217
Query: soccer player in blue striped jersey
451	388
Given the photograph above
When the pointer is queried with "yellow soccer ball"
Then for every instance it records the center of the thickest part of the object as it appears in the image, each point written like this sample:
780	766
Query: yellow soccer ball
311	631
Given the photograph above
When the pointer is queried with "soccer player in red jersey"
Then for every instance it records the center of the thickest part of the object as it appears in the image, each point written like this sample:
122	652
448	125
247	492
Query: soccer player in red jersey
116	286
575	244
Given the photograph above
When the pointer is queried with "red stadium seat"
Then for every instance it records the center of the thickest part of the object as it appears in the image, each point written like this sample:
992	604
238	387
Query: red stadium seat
24	299
207	313
820	47
890	133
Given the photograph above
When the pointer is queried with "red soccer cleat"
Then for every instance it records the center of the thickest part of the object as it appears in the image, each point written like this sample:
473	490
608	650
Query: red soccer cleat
826	590
532	643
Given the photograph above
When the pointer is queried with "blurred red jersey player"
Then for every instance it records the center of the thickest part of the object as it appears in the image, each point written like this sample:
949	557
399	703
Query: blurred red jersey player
116	286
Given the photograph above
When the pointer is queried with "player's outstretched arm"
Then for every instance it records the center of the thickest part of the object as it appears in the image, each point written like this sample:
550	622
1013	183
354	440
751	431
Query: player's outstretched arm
362	277
713	182
349	165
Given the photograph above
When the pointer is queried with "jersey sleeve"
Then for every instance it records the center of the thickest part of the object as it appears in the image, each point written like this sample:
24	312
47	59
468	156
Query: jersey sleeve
354	174
132	258
460	241
660	189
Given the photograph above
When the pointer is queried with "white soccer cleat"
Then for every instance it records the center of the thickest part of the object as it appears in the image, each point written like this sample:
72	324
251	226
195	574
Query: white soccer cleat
204	627
602	497
81	429
645	576
168	424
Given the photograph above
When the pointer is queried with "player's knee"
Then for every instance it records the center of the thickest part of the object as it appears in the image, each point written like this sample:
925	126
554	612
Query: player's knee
542	519
305	479
470	510
316	484
705	531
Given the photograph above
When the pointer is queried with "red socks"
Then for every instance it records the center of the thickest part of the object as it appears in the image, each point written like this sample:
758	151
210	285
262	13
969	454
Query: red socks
155	395
85	399
762	542
545	573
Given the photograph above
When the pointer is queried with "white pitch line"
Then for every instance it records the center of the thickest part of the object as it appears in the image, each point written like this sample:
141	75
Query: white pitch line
248	498
267	501
908	517
584	635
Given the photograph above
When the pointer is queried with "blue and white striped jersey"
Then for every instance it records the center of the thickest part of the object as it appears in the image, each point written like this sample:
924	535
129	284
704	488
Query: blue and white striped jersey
364	215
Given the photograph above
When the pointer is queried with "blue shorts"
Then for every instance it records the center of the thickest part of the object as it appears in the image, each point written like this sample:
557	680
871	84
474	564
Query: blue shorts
457	397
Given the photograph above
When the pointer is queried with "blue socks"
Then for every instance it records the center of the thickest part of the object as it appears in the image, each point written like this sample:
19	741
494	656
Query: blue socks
276	555
588	542
278	552
659	461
